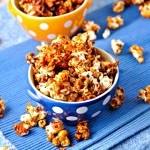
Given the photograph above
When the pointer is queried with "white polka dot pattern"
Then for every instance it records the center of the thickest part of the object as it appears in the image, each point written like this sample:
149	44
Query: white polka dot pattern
71	118
32	33
74	29
106	100
51	36
82	110
19	18
67	24
96	114
43	26
57	110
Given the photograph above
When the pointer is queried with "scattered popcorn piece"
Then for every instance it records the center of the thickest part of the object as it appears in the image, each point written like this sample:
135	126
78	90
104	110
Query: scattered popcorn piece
117	46
145	94
36	112
118	98
128	2
26	118
118	6
106	33
137	52
144	9
4	148
137	2
2	107
53	128
61	139
22	128
91	28
34	116
91	34
82	131
57	134
42	123
90	25
114	22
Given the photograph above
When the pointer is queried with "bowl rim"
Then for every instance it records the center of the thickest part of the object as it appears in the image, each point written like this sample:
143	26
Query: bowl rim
51	17
41	95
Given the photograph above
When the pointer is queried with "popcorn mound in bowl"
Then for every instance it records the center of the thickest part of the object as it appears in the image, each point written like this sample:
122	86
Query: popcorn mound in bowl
71	69
48	8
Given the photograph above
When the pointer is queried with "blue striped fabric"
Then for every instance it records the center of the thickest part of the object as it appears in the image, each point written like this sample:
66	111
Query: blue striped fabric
112	126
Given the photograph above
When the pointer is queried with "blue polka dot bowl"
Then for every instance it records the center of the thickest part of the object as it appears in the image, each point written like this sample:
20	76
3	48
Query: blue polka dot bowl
47	28
74	112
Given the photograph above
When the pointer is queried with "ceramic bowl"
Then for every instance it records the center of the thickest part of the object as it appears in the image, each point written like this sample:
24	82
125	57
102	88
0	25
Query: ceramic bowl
73	112
47	28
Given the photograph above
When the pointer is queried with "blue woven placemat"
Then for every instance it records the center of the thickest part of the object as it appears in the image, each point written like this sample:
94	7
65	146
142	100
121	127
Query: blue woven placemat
111	127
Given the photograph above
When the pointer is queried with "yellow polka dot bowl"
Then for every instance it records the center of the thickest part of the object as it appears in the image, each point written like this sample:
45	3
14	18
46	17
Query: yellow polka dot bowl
74	112
47	28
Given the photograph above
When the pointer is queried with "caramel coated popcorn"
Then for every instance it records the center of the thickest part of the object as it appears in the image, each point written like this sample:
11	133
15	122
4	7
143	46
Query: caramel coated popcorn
57	134
91	28
143	5
144	9
48	8
90	25
128	2
145	94
118	98
137	2
82	131
117	46
2	107
118	6
22	128
114	22
71	70
106	33
137	52
34	116
4	148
